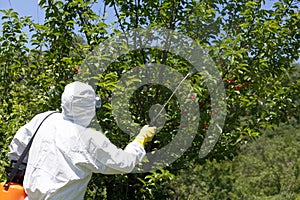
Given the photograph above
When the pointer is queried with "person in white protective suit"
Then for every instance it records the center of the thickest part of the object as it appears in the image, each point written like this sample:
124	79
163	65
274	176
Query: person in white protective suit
65	153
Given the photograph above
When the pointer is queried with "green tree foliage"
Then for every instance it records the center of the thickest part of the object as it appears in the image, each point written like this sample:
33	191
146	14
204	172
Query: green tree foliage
267	168
252	47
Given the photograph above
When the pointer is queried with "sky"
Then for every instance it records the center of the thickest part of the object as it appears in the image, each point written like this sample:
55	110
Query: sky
24	8
31	8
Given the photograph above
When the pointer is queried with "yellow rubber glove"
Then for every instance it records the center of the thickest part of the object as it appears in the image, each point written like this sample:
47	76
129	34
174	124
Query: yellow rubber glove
146	134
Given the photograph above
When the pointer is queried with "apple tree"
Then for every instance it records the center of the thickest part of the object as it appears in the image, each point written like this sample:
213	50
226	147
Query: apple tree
252	47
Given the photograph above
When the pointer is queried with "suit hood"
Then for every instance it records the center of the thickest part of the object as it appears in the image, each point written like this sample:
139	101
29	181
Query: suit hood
78	103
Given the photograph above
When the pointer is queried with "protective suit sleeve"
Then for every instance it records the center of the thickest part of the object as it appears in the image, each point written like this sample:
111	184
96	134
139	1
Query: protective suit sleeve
22	137
19	143
106	158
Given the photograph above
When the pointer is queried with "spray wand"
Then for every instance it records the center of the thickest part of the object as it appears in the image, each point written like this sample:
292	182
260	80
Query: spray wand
152	123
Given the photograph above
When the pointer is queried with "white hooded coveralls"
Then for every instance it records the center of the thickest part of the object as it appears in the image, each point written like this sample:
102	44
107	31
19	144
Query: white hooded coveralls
65	153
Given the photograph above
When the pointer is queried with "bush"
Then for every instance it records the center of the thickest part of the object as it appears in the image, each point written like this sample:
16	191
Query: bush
267	168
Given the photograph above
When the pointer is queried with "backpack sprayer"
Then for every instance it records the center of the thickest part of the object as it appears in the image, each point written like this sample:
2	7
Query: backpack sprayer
13	188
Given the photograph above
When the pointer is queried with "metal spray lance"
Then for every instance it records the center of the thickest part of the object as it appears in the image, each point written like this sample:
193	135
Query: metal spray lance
152	123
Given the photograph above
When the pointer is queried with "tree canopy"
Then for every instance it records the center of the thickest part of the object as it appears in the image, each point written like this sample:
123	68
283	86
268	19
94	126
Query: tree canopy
253	49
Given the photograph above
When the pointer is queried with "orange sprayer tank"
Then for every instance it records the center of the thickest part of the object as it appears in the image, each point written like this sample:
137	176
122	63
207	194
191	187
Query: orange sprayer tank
14	192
